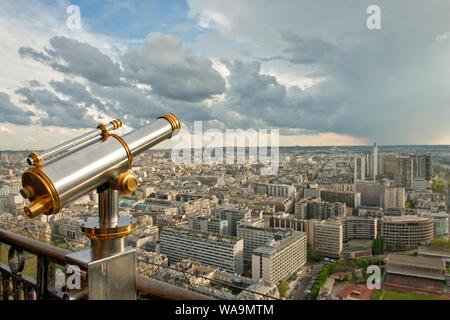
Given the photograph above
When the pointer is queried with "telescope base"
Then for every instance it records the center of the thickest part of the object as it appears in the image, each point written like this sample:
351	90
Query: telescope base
109	278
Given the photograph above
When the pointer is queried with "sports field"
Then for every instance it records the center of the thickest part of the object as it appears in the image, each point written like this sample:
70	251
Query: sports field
385	294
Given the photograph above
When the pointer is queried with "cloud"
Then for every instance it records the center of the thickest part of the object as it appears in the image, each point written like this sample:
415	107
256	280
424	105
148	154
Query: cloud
58	112
79	94
172	71
307	50
5	130
9	112
257	100
73	57
318	70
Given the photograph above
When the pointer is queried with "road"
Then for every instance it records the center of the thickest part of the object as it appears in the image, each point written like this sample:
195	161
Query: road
307	279
299	292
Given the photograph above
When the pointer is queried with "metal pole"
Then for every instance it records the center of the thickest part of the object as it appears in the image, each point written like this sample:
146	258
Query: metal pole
108	218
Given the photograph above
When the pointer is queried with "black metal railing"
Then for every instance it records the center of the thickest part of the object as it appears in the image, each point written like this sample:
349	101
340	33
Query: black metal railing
42	261
18	253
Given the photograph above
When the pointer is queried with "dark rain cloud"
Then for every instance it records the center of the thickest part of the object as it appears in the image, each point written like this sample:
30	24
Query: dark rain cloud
59	112
71	56
9	112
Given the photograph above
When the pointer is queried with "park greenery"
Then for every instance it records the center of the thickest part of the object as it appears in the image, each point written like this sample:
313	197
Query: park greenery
283	288
312	253
439	186
441	243
333	267
384	294
409	204
378	246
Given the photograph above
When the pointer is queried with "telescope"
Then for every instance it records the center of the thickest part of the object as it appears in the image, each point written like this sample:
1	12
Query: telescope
98	160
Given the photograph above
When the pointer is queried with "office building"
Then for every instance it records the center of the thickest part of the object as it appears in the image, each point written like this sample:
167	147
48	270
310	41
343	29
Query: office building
351	199
275	190
319	210
406	232
232	214
210	225
280	258
219	251
372	193
255	236
328	238
394	198
422	166
440	222
358	228
404	173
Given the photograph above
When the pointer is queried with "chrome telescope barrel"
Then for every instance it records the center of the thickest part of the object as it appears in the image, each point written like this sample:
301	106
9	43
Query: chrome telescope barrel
102	129
51	186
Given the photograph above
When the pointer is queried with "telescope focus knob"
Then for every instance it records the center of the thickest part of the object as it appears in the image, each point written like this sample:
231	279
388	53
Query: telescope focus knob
127	183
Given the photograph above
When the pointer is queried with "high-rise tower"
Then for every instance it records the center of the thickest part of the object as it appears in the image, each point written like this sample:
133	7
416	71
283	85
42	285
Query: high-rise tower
375	161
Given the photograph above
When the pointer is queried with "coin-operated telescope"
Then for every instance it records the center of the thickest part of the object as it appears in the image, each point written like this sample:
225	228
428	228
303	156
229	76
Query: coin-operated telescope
96	160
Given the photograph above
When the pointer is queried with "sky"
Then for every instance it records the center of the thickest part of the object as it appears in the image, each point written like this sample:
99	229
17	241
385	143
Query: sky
312	69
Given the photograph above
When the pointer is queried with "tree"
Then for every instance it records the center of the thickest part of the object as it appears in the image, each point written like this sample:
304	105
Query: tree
283	288
439	186
378	245
312	253
409	204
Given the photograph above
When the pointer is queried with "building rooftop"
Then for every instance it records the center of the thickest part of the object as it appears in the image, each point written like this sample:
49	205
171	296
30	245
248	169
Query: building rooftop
355	249
407	218
416	261
441	252
279	244
202	235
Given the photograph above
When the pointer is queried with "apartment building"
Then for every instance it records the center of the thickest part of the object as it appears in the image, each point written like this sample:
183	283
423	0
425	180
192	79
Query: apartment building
407	231
328	238
257	236
319	210
280	258
219	251
358	228
210	225
232	214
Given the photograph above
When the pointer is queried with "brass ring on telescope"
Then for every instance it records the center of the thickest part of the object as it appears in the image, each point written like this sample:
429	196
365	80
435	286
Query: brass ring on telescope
127	149
105	131
173	120
108	233
45	194
37	159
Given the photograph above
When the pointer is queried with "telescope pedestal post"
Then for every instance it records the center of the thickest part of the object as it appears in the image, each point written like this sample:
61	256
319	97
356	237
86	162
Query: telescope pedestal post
111	265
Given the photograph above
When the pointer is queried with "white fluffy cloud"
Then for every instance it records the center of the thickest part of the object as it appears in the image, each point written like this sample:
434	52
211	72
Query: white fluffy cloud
255	65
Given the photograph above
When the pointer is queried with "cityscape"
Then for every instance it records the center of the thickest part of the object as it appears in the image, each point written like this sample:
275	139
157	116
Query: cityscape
228	232
238	157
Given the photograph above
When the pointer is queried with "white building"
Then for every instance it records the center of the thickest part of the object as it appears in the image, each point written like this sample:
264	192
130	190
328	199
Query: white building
232	214
209	225
219	251
276	190
255	236
280	258
328	238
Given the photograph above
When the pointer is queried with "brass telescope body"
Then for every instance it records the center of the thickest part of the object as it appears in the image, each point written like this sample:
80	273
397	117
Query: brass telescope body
103	162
